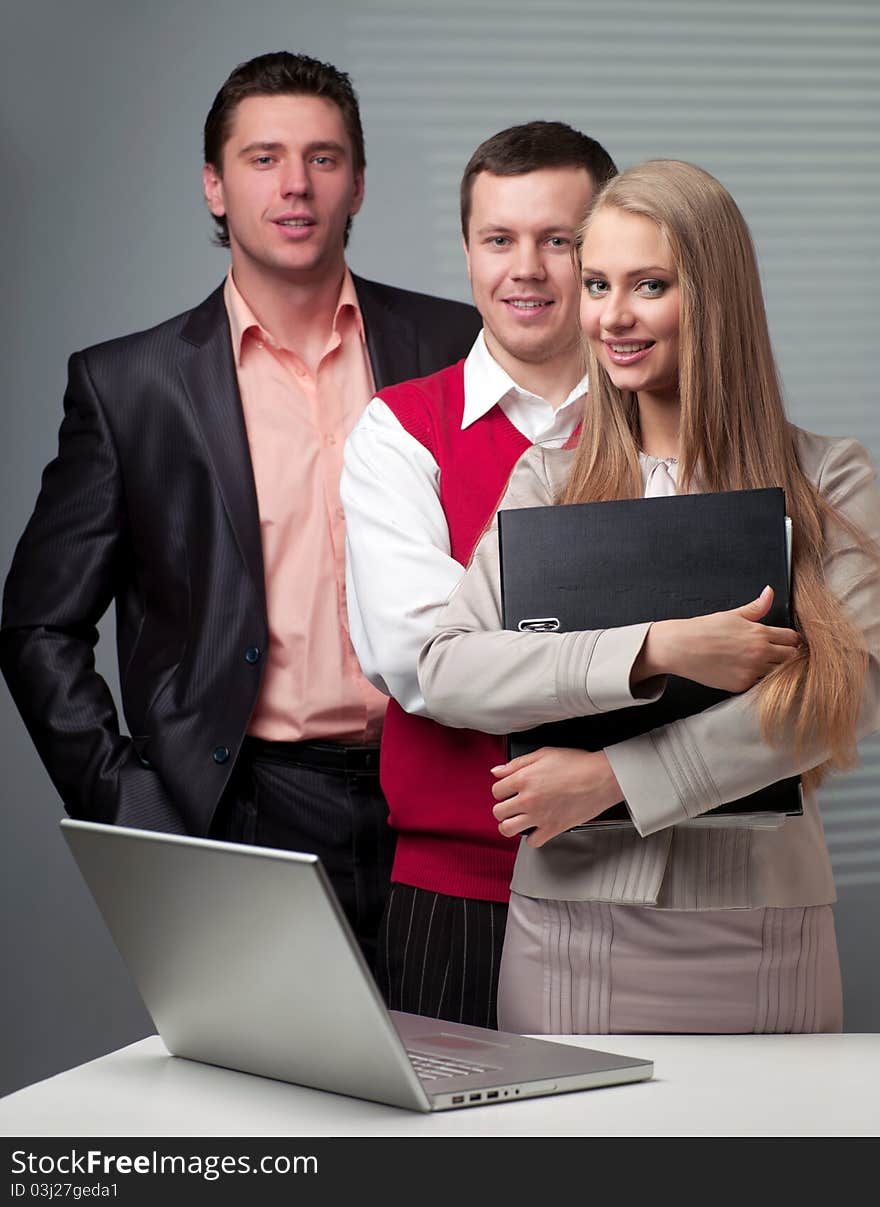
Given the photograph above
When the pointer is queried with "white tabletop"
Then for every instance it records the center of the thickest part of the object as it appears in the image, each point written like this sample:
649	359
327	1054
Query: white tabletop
730	1085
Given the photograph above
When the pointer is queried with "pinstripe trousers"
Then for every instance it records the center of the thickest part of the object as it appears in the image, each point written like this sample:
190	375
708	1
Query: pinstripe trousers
440	955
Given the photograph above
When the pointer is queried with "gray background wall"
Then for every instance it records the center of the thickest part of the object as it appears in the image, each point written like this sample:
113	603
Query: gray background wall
104	232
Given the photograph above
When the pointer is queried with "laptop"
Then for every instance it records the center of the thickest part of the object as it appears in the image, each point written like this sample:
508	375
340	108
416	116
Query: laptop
245	959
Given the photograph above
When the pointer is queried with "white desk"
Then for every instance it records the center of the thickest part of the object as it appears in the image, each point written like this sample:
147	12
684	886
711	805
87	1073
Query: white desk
731	1085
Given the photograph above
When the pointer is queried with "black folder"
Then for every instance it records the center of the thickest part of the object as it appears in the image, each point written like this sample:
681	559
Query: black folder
605	565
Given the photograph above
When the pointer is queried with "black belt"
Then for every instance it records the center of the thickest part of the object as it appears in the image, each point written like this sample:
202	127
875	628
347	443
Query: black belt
329	756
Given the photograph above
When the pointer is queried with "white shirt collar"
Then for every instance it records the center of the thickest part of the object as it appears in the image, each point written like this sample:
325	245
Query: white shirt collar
486	383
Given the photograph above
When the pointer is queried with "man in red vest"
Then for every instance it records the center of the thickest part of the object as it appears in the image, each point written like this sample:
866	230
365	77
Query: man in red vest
424	471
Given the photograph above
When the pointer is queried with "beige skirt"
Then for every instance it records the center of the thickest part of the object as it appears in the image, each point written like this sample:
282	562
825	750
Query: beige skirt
586	967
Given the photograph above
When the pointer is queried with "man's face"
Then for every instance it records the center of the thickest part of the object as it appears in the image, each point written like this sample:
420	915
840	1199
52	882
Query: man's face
287	186
519	256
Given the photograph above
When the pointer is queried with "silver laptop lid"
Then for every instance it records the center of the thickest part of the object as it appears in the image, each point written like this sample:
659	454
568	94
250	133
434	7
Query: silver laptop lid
214	937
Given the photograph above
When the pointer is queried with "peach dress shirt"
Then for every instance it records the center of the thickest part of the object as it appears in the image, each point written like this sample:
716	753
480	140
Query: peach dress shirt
297	423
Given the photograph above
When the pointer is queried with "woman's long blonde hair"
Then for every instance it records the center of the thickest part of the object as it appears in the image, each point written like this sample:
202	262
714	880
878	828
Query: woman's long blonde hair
733	435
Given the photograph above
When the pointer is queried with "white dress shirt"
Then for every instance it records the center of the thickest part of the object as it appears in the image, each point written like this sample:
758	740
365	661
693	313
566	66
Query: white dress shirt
399	569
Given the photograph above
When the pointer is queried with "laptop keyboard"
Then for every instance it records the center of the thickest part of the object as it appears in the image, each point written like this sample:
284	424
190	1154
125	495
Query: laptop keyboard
431	1068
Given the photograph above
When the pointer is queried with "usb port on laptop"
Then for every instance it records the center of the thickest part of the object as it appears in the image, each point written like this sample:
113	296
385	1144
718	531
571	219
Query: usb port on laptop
474	1097
492	1094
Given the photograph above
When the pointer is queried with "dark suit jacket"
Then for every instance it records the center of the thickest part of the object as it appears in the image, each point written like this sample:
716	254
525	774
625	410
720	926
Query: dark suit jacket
151	503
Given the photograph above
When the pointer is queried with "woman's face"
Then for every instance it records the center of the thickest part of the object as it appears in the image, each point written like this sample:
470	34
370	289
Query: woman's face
630	303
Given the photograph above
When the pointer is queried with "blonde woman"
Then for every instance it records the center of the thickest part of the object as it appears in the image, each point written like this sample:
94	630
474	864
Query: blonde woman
673	925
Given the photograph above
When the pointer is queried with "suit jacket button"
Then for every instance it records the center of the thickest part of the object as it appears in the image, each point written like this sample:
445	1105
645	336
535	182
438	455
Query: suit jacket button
221	754
252	654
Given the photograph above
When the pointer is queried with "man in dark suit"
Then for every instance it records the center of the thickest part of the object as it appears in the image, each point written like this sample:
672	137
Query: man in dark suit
196	487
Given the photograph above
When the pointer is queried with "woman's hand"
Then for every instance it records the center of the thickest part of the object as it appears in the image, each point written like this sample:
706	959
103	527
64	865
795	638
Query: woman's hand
728	650
551	790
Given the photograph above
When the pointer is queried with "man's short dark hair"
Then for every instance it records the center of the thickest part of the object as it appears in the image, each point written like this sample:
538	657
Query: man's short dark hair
281	74
528	148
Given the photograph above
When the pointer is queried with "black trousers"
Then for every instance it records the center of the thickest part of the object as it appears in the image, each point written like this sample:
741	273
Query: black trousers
323	799
440	955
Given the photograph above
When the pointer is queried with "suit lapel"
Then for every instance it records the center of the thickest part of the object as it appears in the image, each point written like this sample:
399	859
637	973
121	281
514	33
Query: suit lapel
391	336
211	384
209	378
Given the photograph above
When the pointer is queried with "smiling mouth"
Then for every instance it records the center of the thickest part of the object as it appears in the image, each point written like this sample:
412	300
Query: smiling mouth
627	352
528	305
294	222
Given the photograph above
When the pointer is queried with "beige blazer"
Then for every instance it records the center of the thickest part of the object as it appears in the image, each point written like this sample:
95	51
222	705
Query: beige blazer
474	674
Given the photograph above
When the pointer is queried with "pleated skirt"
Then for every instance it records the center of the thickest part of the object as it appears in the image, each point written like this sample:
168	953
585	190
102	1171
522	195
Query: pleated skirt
587	967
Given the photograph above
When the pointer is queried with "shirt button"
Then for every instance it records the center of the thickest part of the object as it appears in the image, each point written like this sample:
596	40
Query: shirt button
252	654
221	754
331	439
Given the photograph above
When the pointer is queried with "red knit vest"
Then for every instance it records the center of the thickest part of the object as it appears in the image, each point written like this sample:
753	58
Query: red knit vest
437	780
